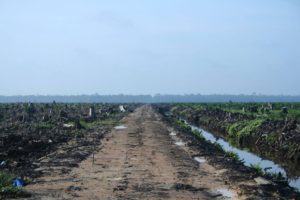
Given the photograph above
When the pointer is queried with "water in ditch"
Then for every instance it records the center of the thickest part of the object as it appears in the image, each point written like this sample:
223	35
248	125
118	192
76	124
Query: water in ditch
248	157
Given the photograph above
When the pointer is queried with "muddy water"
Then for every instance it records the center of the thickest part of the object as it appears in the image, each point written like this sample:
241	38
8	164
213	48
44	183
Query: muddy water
249	158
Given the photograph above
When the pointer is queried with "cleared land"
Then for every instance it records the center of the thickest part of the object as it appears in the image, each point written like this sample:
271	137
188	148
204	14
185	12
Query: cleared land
139	162
146	158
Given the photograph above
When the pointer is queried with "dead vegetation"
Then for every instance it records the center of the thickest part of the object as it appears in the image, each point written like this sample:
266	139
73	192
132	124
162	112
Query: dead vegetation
38	138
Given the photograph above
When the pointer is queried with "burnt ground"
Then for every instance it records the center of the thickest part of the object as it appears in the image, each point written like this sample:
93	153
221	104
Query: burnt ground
51	138
144	161
29	132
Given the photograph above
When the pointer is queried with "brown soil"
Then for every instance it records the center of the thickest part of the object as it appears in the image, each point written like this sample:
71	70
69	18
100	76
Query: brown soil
139	162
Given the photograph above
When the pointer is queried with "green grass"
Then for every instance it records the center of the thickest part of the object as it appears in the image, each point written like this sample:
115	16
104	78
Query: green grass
6	187
232	155
109	122
272	138
218	146
239	131
44	125
182	126
275	176
258	170
198	135
294	114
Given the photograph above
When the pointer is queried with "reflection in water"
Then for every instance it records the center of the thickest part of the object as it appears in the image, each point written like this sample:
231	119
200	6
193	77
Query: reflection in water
249	158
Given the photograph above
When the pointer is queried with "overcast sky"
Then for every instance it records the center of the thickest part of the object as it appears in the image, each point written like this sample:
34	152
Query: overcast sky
149	46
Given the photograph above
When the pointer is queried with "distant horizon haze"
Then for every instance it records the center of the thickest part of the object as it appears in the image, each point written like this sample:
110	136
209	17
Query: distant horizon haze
148	98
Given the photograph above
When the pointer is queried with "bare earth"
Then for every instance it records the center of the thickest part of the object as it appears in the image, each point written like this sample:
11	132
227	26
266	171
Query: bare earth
141	161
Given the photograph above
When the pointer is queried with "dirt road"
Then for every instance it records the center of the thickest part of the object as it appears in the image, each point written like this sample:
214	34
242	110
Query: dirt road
142	160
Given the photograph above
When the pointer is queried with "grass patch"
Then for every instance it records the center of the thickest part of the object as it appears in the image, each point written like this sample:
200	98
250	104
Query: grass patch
182	126
44	125
232	155
198	135
109	122
275	176
272	138
258	170
240	131
7	190
218	146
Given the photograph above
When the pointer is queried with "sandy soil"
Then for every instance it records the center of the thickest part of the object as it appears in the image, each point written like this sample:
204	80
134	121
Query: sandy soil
141	161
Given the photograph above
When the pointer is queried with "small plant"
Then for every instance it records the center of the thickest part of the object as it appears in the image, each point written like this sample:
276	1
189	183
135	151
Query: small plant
232	155
275	176
257	169
182	126
218	146
198	135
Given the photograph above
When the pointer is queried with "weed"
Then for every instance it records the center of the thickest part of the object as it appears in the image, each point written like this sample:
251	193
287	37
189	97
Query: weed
182	126
198	135
257	169
109	122
44	125
232	155
218	146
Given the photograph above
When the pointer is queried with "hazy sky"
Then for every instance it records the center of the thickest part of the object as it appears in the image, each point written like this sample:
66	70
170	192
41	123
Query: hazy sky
149	46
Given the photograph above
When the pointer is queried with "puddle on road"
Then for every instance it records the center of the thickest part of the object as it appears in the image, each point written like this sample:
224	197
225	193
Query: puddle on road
199	159
120	127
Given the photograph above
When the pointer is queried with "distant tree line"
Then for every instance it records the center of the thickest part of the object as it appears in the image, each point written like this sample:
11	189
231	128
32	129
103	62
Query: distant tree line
148	98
